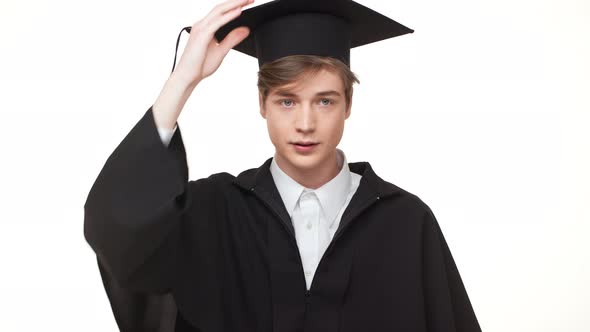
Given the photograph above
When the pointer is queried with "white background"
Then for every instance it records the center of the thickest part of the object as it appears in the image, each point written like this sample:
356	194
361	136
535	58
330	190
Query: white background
483	113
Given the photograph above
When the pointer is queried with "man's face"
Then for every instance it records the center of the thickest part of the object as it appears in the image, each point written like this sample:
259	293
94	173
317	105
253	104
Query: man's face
310	110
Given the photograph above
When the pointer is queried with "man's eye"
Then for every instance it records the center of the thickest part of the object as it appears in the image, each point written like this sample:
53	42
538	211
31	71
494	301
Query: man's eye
287	102
326	101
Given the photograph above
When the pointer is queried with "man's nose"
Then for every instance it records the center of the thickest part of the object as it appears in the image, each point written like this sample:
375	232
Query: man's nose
305	119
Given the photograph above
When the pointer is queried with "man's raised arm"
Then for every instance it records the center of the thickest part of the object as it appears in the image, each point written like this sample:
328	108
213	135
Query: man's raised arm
134	209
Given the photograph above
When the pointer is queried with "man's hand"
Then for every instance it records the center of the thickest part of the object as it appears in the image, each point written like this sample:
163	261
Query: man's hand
201	57
203	54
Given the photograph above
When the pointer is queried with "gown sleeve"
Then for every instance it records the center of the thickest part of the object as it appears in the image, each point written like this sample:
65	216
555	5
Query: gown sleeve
447	305
133	212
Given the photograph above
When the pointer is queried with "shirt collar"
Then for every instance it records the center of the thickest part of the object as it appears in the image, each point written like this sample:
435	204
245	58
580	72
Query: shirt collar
332	195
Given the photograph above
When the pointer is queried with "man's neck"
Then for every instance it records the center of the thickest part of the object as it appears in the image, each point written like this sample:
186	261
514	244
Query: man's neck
311	178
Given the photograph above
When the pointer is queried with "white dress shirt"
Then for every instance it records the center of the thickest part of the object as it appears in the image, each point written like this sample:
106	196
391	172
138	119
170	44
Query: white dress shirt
166	134
315	213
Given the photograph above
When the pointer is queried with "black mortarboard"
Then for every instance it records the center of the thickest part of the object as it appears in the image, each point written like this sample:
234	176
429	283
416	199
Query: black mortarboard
313	27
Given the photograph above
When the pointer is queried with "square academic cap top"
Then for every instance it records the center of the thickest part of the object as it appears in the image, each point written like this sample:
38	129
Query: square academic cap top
312	27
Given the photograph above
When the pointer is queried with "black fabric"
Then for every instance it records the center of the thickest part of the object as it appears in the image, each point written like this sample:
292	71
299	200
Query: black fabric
222	250
306	33
137	311
285	27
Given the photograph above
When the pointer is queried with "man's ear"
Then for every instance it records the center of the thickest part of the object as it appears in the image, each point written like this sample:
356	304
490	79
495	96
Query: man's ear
261	105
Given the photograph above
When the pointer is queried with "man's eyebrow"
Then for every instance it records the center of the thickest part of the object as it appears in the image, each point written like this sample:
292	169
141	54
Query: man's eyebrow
283	93
328	93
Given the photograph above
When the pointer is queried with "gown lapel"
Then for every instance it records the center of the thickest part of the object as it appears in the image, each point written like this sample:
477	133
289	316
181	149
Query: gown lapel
290	300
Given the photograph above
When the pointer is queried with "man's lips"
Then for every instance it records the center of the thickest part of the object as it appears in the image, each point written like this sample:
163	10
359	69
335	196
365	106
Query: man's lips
304	143
304	147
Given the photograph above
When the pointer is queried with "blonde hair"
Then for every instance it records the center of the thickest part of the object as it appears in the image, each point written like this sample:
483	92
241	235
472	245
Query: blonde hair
289	69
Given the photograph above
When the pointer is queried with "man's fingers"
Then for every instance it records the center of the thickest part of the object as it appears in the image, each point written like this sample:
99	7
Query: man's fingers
224	7
220	15
232	39
218	22
207	30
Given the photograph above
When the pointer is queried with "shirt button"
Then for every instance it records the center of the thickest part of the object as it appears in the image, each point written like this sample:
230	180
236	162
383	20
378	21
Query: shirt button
309	226
308	273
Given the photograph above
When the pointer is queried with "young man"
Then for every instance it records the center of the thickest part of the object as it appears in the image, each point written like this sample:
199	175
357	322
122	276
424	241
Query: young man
306	241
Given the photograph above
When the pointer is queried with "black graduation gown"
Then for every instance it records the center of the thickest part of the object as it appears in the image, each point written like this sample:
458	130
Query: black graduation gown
219	253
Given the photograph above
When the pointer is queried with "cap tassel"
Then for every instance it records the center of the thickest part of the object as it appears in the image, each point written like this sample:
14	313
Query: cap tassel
187	29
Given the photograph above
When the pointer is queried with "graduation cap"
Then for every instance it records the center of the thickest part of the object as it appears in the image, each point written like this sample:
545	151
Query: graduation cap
310	27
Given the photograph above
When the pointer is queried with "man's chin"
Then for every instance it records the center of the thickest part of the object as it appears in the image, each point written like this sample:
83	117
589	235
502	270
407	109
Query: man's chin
302	162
